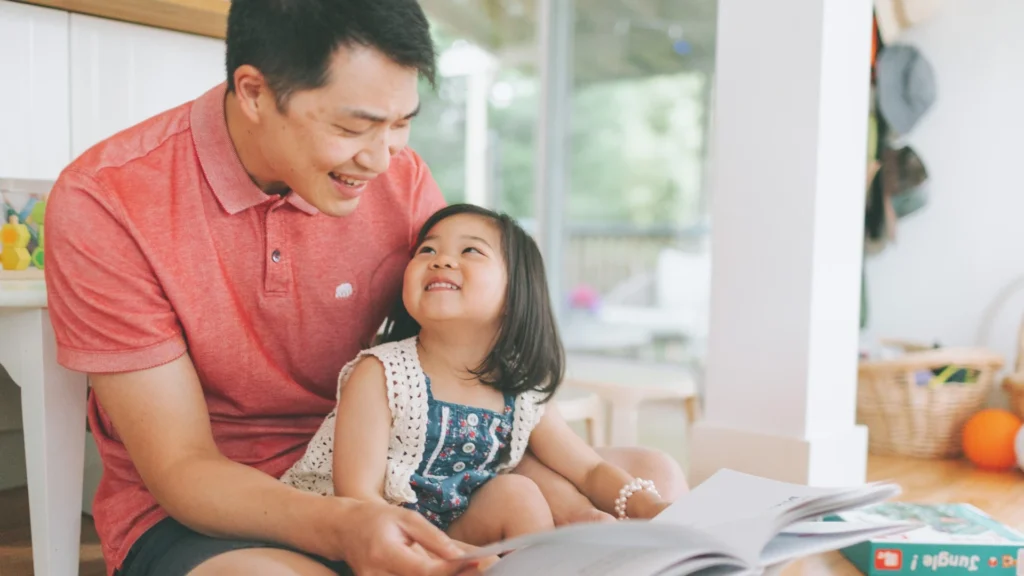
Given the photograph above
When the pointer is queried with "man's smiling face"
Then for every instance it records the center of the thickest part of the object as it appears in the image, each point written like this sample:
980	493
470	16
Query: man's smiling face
329	142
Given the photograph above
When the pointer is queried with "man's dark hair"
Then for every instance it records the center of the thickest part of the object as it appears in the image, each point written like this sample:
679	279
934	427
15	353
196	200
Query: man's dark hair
528	352
291	41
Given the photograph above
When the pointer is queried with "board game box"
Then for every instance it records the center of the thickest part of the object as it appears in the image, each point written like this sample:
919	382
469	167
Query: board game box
954	539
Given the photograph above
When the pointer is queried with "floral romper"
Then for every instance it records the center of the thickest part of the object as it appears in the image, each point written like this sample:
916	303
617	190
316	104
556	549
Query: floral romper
439	453
465	445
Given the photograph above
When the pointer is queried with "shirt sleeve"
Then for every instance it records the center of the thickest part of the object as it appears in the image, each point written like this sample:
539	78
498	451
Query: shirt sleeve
107	307
426	197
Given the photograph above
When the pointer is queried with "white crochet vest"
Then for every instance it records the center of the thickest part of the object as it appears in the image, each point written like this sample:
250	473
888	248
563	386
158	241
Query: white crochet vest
407	398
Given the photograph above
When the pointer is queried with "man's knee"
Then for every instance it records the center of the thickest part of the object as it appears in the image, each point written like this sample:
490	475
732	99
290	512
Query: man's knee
650	464
262	562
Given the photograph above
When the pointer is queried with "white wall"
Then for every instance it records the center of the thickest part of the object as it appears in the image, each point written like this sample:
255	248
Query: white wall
953	257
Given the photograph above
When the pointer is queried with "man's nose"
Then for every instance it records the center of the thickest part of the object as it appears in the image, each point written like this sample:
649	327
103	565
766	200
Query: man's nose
376	156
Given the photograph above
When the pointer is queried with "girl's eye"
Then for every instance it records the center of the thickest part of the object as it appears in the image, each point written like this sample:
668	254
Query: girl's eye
426	250
471	249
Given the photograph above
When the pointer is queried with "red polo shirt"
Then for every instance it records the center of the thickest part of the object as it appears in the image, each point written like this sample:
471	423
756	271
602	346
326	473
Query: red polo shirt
158	244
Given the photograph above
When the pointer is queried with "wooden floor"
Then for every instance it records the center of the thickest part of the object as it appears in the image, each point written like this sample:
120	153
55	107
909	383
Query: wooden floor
16	539
999	494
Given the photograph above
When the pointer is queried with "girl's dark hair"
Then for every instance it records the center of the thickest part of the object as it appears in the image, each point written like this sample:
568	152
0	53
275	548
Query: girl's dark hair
528	353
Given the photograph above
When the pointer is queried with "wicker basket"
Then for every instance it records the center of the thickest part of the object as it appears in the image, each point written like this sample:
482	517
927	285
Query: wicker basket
909	419
1013	385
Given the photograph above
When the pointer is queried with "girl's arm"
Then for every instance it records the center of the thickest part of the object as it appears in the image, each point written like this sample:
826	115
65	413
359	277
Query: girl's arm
558	447
361	433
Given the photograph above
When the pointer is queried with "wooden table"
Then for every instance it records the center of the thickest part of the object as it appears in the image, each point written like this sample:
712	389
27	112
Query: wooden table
53	405
999	494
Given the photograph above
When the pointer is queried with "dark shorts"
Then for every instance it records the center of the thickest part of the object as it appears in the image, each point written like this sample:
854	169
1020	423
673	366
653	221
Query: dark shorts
171	549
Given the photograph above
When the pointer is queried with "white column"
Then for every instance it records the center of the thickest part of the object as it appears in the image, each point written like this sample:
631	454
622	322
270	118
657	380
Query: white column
555	29
791	106
478	90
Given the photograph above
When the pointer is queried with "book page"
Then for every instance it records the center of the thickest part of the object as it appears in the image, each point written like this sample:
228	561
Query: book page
729	496
686	541
789	546
570	559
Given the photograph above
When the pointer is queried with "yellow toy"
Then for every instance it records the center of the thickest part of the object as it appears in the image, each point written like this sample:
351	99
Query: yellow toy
14	237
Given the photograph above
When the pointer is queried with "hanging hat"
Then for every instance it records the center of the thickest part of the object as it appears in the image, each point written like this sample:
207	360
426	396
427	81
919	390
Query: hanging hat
905	85
898	187
895	16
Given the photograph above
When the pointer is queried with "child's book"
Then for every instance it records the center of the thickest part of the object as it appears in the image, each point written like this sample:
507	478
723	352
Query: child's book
954	539
731	524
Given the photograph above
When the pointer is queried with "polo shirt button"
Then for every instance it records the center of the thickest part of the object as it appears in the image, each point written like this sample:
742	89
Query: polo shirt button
468	448
276	256
459	466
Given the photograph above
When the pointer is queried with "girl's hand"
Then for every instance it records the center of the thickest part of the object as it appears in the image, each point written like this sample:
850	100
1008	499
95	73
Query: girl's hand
644	507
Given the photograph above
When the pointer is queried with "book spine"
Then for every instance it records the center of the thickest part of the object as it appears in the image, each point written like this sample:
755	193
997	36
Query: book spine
897	558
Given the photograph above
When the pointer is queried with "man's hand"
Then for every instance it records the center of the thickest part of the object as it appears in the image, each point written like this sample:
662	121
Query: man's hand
377	539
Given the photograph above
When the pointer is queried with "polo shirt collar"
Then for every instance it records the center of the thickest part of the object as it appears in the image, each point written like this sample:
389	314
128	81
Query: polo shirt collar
231	184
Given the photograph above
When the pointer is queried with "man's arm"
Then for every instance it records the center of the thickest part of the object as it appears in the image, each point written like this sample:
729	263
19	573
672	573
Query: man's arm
160	415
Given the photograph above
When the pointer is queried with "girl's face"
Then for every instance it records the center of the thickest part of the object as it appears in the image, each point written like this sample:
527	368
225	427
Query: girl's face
458	273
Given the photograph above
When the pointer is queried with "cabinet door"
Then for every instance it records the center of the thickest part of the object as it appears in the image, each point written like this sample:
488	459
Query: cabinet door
34	128
121	74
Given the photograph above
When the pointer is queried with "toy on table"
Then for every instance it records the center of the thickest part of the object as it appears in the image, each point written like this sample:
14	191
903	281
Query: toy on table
988	439
37	215
37	253
14	238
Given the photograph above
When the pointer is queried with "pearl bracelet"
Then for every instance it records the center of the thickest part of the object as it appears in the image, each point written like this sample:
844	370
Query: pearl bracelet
628	490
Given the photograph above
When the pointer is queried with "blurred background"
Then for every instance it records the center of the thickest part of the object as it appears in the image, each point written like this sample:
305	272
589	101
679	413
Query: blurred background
631	232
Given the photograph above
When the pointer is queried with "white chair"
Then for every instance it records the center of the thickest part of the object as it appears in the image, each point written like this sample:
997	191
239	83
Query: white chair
595	386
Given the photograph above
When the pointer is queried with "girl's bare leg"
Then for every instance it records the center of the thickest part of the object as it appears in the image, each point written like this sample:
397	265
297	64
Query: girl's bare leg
507	506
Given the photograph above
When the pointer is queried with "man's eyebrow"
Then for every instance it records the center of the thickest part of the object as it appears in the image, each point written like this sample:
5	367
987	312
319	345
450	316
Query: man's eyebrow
377	118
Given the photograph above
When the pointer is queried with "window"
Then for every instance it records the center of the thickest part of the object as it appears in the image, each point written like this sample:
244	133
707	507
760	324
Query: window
632	271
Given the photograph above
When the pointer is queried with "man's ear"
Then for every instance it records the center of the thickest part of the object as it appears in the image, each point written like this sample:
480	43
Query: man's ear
252	91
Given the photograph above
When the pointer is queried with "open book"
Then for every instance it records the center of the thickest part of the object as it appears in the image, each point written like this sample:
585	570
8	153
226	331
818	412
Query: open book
732	524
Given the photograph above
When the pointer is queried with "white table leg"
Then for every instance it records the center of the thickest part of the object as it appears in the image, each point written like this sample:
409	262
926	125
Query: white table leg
53	403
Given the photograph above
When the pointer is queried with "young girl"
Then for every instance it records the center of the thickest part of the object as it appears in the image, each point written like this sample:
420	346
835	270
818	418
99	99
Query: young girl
436	417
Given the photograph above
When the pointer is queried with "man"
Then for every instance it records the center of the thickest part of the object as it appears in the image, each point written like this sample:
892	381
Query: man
213	268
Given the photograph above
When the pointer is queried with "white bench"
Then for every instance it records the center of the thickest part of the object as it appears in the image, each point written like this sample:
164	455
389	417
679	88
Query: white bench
598	385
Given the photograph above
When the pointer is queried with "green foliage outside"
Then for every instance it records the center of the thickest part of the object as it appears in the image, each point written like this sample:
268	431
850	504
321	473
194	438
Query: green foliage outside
637	145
